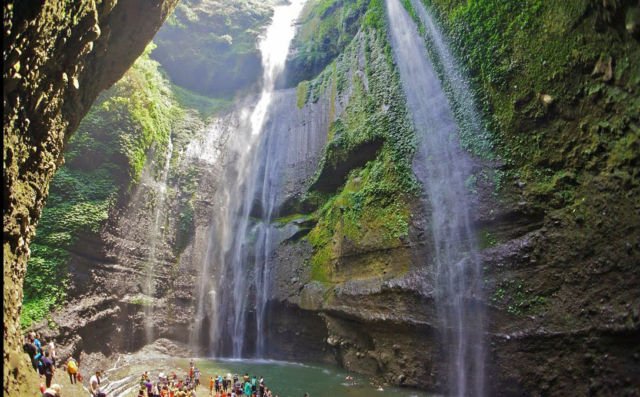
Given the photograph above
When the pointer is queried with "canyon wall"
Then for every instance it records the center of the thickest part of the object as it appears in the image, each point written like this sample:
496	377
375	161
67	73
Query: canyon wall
554	190
57	57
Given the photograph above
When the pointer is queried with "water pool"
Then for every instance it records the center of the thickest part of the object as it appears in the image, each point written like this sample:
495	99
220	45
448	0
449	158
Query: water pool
285	379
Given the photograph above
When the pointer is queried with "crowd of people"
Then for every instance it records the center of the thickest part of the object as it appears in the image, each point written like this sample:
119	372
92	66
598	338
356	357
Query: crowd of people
219	385
43	359
232	386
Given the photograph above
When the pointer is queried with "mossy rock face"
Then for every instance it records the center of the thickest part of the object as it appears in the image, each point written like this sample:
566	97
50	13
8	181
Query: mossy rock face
327	27
555	79
210	46
557	219
364	183
57	59
561	100
340	161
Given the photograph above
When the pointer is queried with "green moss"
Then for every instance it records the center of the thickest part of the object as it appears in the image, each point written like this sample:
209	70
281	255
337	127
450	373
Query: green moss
371	211
290	218
486	239
556	189
375	17
323	257
302	94
625	150
328	26
141	301
517	299
149	102
575	55
381	116
205	106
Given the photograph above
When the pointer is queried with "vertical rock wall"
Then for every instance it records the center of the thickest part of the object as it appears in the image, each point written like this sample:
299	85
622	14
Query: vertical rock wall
57	56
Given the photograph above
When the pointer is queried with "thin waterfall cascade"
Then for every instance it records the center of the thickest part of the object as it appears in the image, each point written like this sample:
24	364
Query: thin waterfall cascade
155	236
454	83
443	167
234	275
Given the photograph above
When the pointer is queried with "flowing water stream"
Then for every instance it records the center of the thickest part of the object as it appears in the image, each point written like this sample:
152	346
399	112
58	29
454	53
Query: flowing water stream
443	168
156	235
234	276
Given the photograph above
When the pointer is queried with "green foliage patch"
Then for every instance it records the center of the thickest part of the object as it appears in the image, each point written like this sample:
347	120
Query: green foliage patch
302	94
517	299
538	69
328	26
209	46
205	106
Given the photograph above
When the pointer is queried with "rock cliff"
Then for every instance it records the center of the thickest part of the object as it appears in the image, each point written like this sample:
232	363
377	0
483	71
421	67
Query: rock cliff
554	197
554	190
57	57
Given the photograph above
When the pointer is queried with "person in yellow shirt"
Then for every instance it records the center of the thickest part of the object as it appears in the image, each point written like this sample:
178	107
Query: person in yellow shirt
72	370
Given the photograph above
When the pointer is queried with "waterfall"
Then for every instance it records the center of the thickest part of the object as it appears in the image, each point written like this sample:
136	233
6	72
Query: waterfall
156	235
443	167
233	282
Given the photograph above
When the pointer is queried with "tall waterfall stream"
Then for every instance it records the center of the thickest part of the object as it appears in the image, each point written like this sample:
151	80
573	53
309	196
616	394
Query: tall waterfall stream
234	276
443	167
155	234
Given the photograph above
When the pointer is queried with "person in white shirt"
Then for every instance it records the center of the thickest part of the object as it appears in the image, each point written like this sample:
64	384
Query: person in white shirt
94	384
52	351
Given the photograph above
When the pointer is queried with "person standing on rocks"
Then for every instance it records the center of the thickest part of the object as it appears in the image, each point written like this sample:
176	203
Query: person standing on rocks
148	385
37	343
196	375
72	370
31	350
48	368
94	384
52	348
